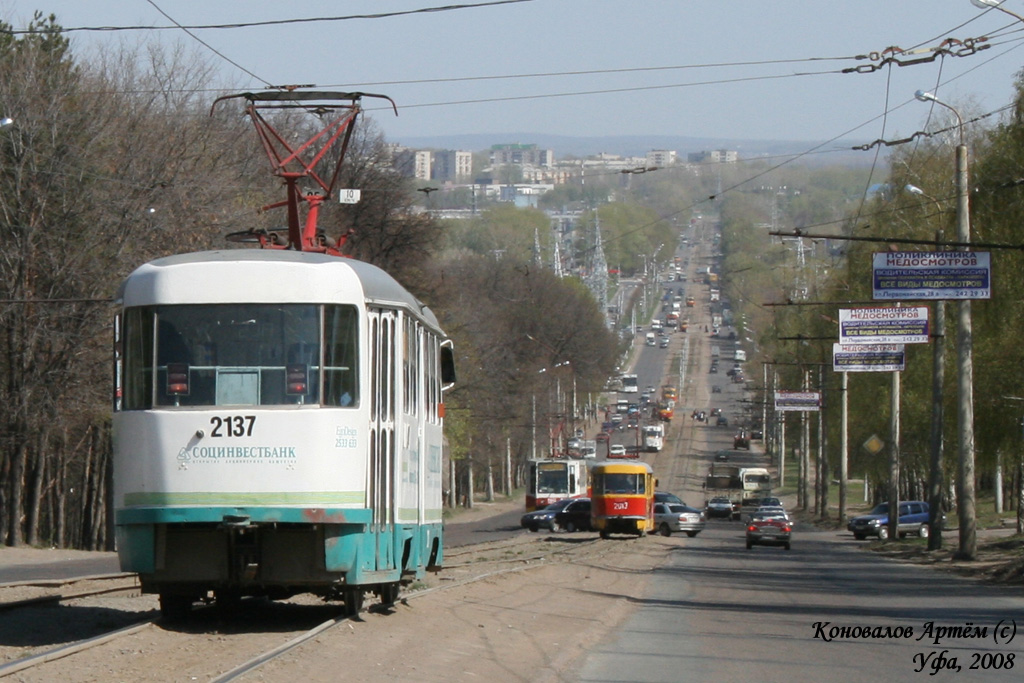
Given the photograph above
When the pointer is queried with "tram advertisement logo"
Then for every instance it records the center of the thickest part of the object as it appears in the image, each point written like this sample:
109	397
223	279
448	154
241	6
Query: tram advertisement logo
235	455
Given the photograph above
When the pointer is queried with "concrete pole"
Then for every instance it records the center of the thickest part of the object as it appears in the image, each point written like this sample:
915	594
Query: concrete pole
894	458
935	478
966	504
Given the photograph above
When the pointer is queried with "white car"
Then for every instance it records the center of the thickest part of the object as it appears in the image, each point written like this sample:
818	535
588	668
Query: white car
669	517
617	450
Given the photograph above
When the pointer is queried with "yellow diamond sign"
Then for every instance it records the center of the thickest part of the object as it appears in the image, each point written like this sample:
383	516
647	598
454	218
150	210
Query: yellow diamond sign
873	445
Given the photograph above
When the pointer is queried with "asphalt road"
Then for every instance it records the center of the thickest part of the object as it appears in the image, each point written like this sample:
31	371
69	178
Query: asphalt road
720	612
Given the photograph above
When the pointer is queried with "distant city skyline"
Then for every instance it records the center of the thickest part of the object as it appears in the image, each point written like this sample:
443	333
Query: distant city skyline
739	70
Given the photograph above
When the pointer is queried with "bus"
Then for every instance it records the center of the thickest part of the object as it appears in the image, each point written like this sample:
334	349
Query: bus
629	384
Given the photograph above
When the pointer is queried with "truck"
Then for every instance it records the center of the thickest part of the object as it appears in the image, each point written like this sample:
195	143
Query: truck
744	486
716	295
654	437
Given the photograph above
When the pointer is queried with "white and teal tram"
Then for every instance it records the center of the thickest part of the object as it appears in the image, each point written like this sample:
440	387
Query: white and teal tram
277	428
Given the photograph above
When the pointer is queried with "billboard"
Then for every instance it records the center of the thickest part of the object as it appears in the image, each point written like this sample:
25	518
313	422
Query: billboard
868	357
917	275
798	400
889	325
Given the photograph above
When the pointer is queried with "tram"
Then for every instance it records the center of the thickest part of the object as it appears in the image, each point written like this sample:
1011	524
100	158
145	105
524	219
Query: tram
555	479
622	498
278	413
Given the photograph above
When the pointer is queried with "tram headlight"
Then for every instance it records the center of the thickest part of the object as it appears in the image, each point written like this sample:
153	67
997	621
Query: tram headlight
177	379
296	379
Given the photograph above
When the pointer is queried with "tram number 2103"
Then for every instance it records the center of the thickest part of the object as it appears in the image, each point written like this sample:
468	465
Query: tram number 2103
232	425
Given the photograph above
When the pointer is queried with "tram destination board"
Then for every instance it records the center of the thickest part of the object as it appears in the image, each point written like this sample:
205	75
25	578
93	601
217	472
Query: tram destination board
939	275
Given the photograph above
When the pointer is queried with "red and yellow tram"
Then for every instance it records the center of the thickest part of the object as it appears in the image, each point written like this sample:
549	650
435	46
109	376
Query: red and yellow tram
622	498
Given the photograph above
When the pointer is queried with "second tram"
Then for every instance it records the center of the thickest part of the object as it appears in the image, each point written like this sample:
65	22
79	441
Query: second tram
555	479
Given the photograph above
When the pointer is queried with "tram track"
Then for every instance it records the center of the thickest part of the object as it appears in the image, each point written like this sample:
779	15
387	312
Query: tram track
261	632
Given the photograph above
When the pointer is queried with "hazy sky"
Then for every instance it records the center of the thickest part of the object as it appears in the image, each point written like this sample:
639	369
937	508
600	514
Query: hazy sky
733	69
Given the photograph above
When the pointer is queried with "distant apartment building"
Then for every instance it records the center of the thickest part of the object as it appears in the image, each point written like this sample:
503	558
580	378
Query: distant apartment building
521	155
422	164
661	158
453	166
715	156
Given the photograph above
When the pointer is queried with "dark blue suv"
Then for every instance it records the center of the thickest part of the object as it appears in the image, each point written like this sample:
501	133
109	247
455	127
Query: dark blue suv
913	519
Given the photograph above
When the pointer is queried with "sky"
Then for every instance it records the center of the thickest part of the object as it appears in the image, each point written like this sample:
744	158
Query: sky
722	69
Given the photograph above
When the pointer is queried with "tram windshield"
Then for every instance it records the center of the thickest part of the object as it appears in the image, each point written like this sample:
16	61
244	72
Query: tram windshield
552	478
240	355
620	482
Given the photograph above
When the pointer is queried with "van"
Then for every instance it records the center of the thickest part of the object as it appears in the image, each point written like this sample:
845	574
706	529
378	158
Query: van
741	355
651	339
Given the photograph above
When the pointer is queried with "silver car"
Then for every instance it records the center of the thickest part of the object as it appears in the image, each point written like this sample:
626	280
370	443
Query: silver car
669	517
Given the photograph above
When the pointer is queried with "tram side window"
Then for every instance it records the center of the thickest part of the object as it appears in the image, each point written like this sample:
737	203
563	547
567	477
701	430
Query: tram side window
137	379
341	346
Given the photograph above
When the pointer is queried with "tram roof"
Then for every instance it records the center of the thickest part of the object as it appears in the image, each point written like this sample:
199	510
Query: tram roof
264	276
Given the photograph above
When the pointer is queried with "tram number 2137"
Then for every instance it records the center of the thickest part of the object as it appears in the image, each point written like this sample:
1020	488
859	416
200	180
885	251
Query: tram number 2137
232	425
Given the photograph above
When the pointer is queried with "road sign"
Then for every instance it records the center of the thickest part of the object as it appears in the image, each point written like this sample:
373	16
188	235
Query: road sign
798	400
916	275
349	196
888	325
868	357
873	445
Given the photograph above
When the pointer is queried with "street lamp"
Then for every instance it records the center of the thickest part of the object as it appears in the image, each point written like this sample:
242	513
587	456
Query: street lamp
995	4
965	365
935	478
6	121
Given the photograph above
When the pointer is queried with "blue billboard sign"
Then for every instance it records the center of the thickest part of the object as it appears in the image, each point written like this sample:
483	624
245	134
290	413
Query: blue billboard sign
916	275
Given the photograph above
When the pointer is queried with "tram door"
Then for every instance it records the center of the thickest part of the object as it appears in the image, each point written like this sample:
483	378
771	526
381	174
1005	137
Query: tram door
383	395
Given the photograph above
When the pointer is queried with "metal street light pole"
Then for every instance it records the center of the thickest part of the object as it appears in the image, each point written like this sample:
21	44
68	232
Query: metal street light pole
966	503
935	478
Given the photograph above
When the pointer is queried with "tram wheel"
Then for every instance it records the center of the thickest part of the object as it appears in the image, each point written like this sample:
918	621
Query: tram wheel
174	607
389	593
353	597
604	533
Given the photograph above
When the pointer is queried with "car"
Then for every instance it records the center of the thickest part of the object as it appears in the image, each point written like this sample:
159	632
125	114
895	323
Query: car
713	369
603	437
769	529
664	342
544	517
616	450
669	517
913	519
722	421
573	517
719	506
756	434
666	497
722	456
741	440
715	389
770	501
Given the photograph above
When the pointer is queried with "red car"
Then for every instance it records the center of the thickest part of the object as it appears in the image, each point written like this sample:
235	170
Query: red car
769	529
